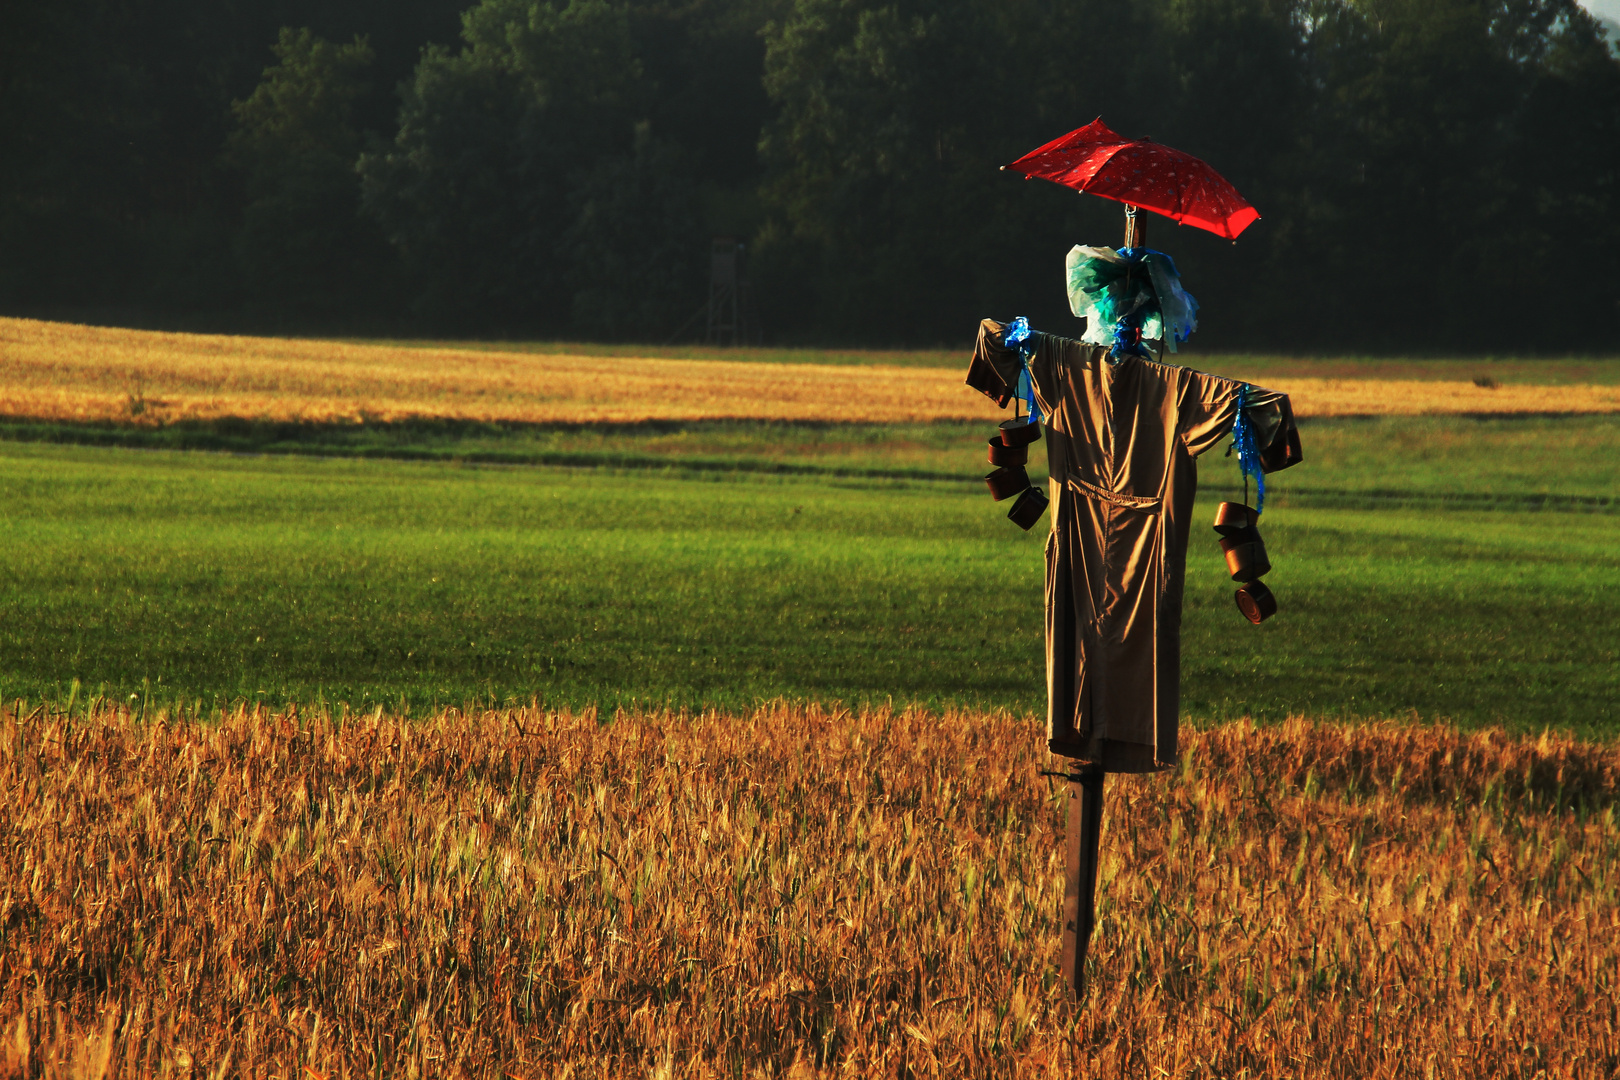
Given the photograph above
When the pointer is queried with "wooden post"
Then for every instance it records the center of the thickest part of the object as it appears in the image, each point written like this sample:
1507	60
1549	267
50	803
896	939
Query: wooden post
1135	234
1083	827
1084	824
1083	831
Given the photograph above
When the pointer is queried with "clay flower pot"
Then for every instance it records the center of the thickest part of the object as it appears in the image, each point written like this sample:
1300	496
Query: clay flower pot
1256	602
1002	454
1019	431
1028	509
1245	555
1007	481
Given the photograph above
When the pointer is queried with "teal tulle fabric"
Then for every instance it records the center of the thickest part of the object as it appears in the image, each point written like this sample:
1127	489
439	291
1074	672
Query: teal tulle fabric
1108	289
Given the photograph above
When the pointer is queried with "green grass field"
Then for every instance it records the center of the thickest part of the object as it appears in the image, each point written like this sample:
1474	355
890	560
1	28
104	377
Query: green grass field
1443	568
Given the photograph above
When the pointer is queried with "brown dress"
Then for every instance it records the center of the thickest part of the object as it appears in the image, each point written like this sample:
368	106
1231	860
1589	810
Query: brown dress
1121	444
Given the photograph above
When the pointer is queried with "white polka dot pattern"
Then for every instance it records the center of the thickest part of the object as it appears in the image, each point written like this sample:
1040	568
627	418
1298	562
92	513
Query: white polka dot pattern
1143	173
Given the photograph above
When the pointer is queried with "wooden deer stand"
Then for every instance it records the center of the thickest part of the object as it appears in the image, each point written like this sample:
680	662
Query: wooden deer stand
1083	827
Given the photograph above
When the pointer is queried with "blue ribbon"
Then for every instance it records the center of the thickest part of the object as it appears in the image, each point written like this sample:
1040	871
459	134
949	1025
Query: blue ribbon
1248	453
1128	338
1019	336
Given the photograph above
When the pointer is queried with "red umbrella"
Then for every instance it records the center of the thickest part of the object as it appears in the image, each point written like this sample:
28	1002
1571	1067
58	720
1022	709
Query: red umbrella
1141	172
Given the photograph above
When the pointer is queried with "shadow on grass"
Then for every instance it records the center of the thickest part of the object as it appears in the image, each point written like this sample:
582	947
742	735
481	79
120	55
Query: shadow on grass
489	442
809	448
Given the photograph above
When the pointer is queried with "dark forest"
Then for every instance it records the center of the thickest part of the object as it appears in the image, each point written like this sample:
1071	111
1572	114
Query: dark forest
1435	176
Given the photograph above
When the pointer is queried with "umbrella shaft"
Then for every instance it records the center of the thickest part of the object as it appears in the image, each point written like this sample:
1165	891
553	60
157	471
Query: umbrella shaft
1135	227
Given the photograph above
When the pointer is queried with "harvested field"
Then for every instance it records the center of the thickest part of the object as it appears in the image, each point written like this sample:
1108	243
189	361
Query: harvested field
61	372
530	893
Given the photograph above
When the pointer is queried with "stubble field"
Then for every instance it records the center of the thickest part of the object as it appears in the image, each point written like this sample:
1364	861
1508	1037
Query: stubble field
794	891
58	372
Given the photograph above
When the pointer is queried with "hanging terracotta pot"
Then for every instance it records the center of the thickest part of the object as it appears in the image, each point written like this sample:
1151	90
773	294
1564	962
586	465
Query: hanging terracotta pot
1256	602
1245	555
1007	481
1028	509
1019	431
1002	454
1231	517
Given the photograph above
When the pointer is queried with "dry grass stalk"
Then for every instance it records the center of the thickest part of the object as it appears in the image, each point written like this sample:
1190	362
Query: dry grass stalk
799	891
61	372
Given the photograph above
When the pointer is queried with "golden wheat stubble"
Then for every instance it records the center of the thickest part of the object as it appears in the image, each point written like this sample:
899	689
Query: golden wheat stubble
525	892
67	373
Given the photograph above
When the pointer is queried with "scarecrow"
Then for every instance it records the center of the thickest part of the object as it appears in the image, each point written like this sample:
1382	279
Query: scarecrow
1123	432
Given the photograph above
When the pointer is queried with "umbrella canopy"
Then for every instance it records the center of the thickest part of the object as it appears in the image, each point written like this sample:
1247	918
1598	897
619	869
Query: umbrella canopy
1143	173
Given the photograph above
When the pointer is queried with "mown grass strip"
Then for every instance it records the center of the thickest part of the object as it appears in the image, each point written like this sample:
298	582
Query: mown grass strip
949	453
1394	498
288	439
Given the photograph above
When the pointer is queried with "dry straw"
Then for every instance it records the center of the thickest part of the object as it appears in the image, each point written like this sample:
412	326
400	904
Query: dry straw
62	372
798	891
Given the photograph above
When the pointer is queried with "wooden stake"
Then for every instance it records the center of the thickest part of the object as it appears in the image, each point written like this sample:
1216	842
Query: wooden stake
1083	827
1083	830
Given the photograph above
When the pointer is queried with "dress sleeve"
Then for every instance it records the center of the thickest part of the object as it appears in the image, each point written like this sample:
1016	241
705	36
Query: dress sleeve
1283	449
994	370
1207	406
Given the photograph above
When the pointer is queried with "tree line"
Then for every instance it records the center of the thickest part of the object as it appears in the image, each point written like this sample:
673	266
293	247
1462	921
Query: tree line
1433	175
